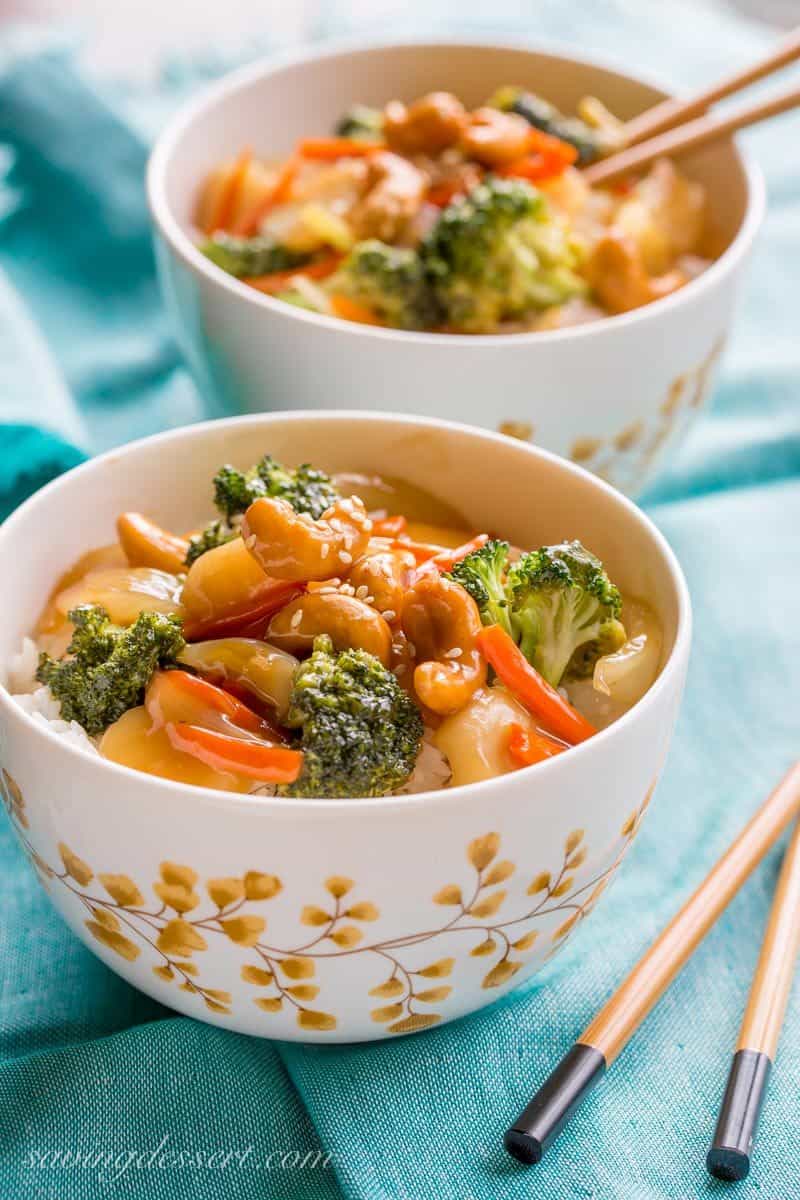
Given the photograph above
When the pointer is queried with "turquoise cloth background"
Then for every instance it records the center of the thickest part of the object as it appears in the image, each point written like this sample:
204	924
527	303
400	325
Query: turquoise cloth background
89	1066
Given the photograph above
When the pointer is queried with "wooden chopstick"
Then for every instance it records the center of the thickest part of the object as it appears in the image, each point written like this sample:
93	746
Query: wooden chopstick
687	137
677	110
602	1040
729	1156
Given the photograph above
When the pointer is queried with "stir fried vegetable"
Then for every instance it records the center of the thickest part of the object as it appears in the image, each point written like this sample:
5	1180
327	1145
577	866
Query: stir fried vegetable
108	668
360	732
320	646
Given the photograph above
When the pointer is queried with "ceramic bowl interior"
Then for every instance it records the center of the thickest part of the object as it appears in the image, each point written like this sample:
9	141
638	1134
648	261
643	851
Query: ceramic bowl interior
269	106
529	496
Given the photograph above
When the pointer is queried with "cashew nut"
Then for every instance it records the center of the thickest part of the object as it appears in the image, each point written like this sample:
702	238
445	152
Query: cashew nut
429	125
495	138
442	622
385	576
291	545
350	623
395	193
618	277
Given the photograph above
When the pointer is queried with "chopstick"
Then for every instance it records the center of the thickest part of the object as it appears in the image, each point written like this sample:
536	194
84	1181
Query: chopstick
729	1156
677	110
685	138
605	1037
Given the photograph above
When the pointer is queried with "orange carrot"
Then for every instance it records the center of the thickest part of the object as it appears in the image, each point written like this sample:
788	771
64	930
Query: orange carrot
205	694
391	527
437	558
546	156
328	149
255	760
351	310
449	558
277	281
530	688
527	747
278	194
220	219
441	194
247	617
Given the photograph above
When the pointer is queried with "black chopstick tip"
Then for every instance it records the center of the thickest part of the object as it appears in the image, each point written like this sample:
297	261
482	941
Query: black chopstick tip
556	1100
522	1146
731	1149
728	1164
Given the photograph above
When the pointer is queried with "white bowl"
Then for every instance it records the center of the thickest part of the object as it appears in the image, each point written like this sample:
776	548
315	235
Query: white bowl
138	865
616	396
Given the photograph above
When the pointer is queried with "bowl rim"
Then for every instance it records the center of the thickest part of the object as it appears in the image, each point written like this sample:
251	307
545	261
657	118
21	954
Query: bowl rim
672	666
241	78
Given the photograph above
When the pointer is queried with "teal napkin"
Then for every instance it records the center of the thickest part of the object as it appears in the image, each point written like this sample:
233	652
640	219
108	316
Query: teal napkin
102	1091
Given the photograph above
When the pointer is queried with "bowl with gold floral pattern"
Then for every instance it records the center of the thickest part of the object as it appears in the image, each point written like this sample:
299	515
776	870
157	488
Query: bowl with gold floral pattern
335	919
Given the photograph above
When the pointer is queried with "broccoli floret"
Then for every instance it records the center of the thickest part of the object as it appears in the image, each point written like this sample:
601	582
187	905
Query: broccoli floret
215	534
359	731
499	253
306	489
391	281
482	573
251	256
542	115
361	122
108	668
564	610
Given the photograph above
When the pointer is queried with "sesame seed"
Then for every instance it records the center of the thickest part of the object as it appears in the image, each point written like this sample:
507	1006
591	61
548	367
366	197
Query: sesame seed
250	541
388	614
412	649
362	591
399	670
345	557
296	618
369	599
324	551
454	653
367	526
347	589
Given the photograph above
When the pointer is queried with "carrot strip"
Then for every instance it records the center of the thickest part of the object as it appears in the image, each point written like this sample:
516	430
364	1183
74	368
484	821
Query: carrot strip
276	281
527	747
255	760
351	310
546	156
449	558
278	194
441	194
240	621
391	527
227	201
328	149
207	694
530	688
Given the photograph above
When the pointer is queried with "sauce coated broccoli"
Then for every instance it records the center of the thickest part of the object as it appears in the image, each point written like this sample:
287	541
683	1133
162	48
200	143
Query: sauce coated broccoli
542	115
248	257
360	732
305	488
108	668
499	253
391	281
557	603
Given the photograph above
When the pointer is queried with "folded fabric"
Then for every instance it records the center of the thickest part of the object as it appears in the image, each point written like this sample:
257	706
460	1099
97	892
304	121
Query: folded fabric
142	1099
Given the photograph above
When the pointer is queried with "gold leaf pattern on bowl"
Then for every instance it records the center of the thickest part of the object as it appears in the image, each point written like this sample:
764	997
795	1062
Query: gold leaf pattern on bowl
624	457
177	923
